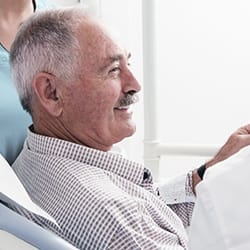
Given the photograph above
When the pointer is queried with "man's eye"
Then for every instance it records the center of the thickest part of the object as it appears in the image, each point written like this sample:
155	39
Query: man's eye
115	69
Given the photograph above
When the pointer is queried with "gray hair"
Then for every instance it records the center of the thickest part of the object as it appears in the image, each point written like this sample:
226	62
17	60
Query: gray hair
46	42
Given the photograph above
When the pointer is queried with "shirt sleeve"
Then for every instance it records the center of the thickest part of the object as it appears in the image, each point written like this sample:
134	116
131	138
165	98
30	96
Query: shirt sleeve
178	194
140	233
178	189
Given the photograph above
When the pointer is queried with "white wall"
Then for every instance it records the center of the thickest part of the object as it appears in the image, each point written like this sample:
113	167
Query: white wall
204	65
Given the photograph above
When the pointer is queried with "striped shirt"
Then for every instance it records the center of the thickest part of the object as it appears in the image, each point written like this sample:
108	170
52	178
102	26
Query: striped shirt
100	200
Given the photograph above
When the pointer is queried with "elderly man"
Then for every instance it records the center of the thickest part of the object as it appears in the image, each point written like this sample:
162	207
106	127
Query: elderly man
75	81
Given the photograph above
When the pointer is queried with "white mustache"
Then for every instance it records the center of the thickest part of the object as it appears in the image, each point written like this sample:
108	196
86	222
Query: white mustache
128	99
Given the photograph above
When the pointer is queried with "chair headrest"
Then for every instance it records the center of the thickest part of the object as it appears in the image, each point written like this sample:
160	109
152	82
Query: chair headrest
11	187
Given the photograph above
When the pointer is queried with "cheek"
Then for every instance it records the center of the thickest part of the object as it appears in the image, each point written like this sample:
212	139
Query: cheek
92	102
105	99
97	105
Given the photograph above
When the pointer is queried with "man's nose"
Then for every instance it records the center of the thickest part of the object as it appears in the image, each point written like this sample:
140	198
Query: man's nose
131	85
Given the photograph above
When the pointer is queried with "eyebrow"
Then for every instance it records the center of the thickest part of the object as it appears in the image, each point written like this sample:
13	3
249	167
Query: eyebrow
118	57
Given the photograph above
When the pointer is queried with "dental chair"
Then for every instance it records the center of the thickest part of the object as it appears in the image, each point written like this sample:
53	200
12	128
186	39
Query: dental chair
16	231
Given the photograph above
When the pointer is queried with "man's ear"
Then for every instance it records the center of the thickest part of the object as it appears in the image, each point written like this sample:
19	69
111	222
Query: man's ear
46	91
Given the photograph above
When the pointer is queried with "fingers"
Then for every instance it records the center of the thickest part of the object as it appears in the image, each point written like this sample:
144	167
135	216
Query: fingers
247	128
244	130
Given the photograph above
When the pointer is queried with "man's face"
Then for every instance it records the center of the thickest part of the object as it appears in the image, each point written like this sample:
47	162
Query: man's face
96	110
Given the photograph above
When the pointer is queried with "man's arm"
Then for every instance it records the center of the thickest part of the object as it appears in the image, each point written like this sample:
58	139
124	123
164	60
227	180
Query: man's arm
239	139
179	193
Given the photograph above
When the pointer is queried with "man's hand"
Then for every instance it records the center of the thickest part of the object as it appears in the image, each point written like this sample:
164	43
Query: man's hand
239	139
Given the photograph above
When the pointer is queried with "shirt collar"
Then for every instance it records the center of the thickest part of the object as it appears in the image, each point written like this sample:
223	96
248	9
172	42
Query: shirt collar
109	161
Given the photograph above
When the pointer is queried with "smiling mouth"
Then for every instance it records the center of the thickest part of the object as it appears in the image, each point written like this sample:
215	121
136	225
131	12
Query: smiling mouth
123	107
128	110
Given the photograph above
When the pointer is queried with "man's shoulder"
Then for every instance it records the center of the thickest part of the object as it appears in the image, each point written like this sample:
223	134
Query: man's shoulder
72	176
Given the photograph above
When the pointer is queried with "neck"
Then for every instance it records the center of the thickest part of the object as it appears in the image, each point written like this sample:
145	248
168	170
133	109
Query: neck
59	132
12	14
13	7
56	129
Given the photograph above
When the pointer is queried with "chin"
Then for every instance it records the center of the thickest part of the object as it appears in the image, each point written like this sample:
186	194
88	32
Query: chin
131	130
123	130
126	133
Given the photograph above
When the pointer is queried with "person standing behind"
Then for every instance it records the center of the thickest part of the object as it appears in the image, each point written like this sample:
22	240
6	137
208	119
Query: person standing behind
221	215
13	119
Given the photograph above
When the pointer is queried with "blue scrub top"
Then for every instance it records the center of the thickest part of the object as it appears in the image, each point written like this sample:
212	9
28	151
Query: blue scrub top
13	119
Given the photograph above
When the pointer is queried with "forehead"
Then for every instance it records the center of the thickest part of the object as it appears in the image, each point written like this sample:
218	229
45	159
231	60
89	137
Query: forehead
98	45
